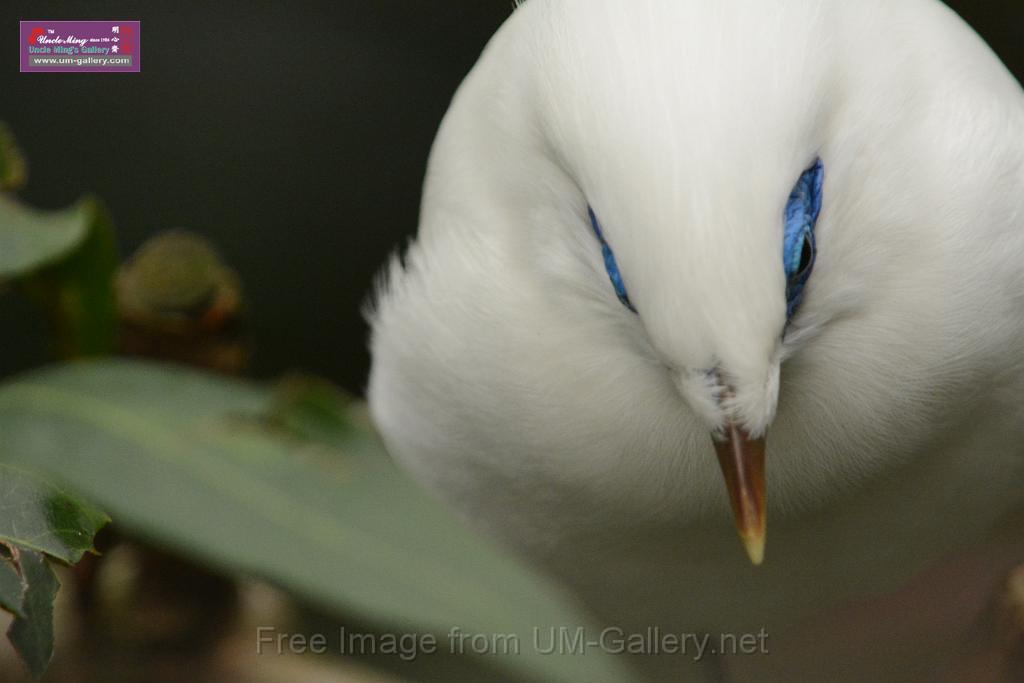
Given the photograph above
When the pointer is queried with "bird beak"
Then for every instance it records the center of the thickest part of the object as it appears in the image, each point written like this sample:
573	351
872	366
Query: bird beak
742	462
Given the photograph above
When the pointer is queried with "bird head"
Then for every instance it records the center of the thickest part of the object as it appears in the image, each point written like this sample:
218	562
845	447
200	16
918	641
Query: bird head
702	173
713	191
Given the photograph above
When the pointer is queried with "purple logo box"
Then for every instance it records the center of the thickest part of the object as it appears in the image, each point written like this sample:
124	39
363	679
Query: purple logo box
81	46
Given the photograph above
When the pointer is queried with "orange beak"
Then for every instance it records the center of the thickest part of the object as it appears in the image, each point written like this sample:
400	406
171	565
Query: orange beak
742	462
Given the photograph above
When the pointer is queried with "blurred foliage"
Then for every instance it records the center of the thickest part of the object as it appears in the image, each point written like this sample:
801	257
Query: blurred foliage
38	515
177	279
13	170
31	632
38	521
65	261
77	291
31	239
316	411
177	300
11	588
327	515
290	484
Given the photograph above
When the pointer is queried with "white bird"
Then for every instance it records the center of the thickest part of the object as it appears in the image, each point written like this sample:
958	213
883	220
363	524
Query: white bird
656	229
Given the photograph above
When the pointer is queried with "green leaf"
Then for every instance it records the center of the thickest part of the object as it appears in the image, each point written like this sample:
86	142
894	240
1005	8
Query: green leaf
32	632
10	583
38	515
79	290
66	261
31	239
194	462
37	519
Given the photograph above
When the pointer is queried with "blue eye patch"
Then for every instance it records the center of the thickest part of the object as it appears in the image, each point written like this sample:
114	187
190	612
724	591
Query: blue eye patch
609	263
799	248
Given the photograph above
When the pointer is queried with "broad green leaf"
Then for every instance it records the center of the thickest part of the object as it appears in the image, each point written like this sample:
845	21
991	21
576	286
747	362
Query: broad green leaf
10	584
31	239
38	515
32	632
193	462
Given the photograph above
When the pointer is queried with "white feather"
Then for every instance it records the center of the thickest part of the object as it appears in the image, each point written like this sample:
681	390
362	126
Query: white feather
508	377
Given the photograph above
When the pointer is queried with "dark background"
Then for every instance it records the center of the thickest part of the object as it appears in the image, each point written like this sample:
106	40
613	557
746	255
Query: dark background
294	135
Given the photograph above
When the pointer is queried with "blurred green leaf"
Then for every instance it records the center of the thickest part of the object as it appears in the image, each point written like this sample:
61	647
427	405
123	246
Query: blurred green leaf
38	515
10	585
79	290
32	632
37	519
66	261
31	239
313	409
193	462
13	171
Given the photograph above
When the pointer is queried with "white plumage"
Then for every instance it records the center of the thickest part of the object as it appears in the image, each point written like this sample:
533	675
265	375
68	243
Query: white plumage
509	379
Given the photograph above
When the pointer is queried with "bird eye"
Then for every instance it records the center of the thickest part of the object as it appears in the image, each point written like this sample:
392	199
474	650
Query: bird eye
799	247
806	256
609	263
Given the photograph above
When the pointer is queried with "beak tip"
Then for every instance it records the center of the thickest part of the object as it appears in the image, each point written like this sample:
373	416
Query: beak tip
754	545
